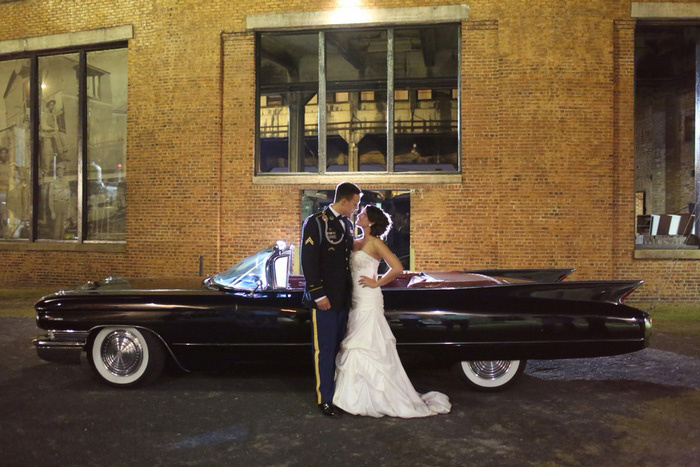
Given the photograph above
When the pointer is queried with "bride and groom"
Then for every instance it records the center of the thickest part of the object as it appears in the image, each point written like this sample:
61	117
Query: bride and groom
358	370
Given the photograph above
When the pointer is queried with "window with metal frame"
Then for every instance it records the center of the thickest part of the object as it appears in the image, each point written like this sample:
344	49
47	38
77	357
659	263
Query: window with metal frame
63	145
390	100
667	148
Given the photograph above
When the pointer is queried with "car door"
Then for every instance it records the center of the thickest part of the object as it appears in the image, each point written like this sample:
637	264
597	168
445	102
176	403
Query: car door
272	317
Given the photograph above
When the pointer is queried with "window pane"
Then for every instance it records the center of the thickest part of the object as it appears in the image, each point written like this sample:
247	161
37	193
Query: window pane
288	105
664	137
15	149
288	58
282	115
426	66
107	98
356	55
425	130
356	131
430	52
58	159
356	100
426	105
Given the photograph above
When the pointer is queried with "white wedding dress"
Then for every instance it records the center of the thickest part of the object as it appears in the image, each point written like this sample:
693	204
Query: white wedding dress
370	379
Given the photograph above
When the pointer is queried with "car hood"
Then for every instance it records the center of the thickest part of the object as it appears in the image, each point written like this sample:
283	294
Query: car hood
113	284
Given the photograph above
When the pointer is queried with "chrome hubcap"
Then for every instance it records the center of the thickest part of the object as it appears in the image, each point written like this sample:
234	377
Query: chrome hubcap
122	353
490	369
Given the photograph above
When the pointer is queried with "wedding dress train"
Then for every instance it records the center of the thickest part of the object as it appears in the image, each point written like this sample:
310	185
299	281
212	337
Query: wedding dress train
370	379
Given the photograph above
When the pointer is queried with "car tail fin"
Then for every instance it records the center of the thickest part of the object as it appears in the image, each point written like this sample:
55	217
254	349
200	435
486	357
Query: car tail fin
628	290
597	291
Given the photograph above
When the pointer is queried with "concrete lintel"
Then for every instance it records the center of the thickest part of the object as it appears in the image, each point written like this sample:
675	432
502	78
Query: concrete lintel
665	10
69	39
357	16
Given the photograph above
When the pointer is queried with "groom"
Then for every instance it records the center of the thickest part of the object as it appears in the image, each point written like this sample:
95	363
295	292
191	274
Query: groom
325	259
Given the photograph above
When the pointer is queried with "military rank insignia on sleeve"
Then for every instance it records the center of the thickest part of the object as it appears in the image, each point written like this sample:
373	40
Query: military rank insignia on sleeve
309	240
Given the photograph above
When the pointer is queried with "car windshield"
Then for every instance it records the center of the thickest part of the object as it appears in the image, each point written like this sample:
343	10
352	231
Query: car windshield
246	274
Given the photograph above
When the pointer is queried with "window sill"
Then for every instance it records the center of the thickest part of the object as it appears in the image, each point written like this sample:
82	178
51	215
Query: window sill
666	254
67	246
358	177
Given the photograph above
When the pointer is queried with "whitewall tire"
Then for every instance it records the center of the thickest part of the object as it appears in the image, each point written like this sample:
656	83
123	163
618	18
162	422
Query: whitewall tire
490	375
126	357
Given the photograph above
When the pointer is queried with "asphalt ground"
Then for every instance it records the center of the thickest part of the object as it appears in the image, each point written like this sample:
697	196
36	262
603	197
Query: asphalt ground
637	409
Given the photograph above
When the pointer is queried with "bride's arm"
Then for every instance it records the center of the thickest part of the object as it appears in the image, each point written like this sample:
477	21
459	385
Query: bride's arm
394	264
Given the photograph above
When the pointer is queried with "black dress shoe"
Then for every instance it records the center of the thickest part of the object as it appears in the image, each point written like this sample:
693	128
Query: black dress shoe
329	410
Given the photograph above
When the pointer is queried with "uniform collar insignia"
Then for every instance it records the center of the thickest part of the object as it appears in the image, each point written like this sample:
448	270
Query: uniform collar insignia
332	215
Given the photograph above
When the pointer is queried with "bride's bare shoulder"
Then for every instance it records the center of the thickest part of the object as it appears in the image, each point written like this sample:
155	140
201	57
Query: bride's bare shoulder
375	241
373	244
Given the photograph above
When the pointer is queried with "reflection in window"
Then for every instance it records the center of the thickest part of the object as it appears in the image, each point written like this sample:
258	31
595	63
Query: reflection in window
94	82
356	100
106	174
665	144
15	150
354	73
62	146
58	140
279	152
425	117
356	133
288	103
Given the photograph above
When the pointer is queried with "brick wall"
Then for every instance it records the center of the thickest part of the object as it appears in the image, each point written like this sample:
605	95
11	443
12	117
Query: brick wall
547	123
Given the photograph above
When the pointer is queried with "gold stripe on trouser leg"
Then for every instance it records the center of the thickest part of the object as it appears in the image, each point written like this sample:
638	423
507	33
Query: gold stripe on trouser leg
316	352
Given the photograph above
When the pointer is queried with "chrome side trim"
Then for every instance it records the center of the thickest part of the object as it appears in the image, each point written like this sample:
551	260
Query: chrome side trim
487	343
241	344
47	343
68	336
455	343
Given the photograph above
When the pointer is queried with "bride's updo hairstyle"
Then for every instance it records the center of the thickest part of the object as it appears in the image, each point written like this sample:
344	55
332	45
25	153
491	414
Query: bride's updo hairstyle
380	220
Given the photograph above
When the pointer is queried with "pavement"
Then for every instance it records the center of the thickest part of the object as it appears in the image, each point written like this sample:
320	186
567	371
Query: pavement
636	409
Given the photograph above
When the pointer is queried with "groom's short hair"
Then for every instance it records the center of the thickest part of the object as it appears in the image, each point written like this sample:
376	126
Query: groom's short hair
346	190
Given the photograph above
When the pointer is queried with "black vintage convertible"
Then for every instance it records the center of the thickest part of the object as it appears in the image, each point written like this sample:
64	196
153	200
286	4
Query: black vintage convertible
486	323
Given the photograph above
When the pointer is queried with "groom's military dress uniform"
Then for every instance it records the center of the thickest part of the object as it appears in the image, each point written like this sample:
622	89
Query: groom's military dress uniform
325	259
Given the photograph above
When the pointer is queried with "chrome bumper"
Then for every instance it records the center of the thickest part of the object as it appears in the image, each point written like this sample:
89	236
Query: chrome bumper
61	346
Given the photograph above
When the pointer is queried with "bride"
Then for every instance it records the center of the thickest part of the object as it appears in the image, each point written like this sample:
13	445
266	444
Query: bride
370	379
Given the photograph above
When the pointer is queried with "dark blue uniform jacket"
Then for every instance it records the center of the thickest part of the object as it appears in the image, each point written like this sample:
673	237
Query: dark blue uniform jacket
325	259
